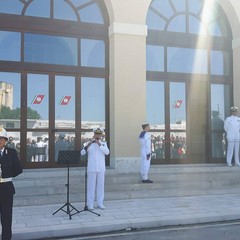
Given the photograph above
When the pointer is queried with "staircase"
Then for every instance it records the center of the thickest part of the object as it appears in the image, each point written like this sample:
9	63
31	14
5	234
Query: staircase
47	186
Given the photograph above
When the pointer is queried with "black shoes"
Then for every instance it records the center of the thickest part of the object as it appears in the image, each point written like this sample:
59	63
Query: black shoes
147	181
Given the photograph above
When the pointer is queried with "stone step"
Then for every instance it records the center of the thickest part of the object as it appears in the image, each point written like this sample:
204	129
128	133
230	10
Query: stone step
124	195
60	177
78	187
47	186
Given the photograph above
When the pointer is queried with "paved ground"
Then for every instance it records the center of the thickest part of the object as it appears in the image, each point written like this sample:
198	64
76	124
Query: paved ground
37	222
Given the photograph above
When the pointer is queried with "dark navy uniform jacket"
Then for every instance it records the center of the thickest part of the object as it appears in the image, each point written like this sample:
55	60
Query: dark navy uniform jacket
11	167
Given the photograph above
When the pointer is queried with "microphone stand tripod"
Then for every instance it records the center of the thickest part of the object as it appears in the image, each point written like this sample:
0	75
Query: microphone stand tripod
68	205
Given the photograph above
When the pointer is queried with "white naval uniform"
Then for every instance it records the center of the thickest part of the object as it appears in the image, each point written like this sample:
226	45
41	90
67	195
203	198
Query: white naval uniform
232	128
40	157
145	142
96	172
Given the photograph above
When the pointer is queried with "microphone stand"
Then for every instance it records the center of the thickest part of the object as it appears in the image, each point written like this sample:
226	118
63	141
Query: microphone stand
68	205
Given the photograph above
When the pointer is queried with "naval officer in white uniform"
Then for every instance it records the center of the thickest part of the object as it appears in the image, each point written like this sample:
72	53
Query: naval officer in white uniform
232	129
96	149
145	142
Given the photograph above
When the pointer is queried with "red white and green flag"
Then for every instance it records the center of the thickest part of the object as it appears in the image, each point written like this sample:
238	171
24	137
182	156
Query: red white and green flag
38	99
65	100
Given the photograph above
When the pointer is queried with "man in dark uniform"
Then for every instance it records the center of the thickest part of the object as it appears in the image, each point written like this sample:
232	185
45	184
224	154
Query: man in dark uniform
10	143
9	167
60	144
217	135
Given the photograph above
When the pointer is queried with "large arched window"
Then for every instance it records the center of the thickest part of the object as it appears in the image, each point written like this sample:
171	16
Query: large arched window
53	67
189	79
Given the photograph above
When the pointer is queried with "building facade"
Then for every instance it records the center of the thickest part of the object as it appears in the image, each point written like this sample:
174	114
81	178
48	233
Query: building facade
74	65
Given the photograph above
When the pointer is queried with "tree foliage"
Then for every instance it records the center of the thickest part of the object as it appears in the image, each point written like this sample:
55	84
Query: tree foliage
7	113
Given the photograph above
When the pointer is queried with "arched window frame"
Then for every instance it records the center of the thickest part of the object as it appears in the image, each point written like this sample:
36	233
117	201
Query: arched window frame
25	5
161	37
56	27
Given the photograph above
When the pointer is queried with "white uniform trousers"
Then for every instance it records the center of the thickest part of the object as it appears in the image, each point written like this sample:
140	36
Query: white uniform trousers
233	146
145	165
95	184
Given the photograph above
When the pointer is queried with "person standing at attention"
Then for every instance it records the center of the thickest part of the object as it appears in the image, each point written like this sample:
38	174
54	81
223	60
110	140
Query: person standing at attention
232	128
145	142
96	167
217	135
9	167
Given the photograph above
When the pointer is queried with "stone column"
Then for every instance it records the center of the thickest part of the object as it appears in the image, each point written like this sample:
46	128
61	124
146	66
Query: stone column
127	39
236	71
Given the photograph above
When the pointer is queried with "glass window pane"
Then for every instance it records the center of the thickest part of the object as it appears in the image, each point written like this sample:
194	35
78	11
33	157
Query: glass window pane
50	49
78	3
219	63
223	30
178	24
93	111
220	105
64	141
196	27
178	145
86	136
10	46
11	6
158	145
215	29
177	106
64	102
164	7
67	14
154	21
37	147
91	14
92	53
155	58
39	8
217	125
156	104
187	60
211	20
179	5
218	144
195	6
37	101
210	11
10	99
14	141
220	99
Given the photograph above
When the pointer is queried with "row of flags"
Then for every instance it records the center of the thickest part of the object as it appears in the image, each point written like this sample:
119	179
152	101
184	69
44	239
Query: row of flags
66	99
39	98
